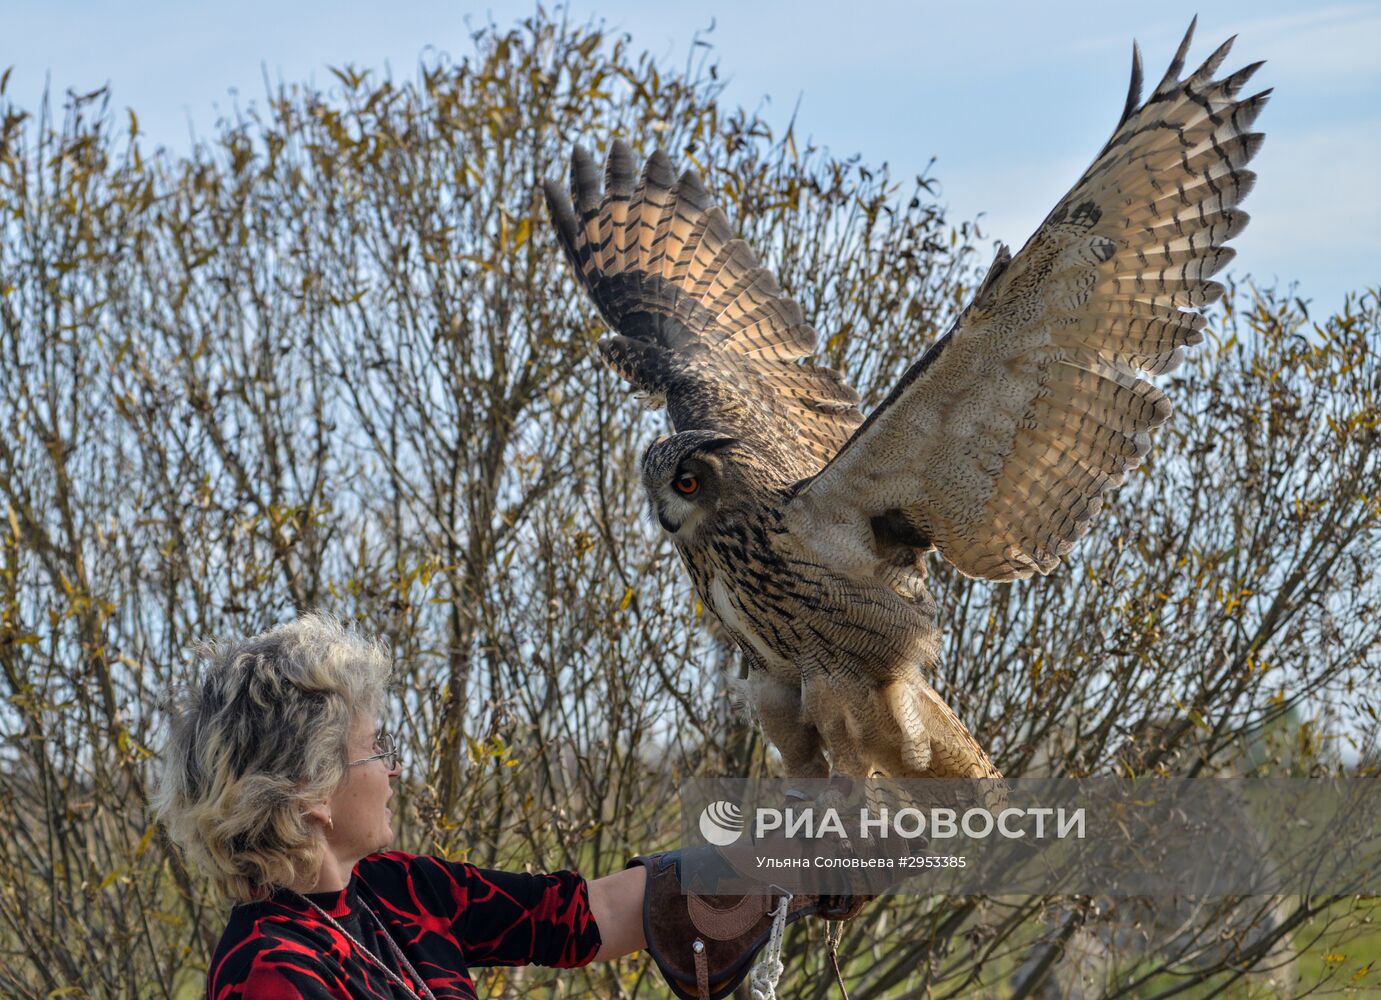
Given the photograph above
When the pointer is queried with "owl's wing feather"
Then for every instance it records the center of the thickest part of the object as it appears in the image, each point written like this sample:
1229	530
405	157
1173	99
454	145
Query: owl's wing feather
696	320
1000	444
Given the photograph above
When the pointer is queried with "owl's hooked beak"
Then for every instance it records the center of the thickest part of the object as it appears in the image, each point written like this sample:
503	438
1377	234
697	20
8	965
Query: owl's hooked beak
667	526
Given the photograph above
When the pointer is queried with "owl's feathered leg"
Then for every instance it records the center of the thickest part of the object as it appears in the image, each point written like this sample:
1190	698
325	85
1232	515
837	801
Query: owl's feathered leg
830	702
778	706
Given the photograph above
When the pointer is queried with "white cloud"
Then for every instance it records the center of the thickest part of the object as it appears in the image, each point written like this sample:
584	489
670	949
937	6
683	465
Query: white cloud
1320	192
1321	45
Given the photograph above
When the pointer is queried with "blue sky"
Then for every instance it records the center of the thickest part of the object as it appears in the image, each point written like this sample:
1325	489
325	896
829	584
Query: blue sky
1012	99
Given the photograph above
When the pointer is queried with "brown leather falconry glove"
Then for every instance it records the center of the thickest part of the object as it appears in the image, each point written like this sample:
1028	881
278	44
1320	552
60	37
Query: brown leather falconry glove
705	944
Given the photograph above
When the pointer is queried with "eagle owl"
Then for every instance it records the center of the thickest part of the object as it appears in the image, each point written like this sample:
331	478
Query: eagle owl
804	525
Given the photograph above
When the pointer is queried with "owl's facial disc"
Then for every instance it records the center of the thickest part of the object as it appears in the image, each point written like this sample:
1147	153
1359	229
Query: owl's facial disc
684	496
682	476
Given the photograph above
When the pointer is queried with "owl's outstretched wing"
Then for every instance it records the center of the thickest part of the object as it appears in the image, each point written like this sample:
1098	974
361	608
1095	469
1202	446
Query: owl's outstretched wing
696	320
1000	444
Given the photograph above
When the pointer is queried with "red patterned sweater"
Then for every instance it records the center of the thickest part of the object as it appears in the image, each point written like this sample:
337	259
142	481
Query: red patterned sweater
445	916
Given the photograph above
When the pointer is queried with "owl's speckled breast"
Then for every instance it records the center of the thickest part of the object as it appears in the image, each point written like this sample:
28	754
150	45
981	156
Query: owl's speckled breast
795	617
723	606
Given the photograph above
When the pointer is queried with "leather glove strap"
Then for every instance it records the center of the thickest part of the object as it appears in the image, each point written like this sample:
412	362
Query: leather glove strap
705	945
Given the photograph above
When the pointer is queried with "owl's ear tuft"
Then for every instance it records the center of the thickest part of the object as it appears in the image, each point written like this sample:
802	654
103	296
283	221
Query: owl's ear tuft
716	444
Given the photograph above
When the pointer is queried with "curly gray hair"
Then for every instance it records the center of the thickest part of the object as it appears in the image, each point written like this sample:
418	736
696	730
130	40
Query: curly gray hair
260	737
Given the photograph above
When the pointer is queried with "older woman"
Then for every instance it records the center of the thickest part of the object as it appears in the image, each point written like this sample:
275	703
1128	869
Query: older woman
277	786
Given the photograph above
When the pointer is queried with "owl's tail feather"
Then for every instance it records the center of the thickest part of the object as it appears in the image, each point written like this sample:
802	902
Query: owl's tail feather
949	750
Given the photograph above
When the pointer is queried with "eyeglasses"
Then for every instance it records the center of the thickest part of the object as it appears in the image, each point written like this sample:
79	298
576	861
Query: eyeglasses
388	751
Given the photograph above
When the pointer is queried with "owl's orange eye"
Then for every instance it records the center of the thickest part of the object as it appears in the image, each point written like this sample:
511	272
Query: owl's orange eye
687	485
